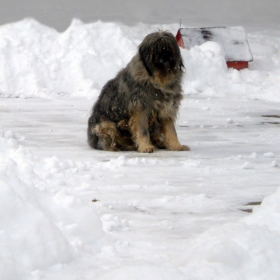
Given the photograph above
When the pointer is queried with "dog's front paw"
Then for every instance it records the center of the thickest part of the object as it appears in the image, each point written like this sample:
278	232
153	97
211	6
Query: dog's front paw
180	148
146	149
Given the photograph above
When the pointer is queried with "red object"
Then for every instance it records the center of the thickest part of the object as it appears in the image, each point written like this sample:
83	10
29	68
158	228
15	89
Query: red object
179	39
238	65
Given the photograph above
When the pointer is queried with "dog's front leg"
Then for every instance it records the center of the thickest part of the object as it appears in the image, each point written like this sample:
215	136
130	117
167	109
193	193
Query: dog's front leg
139	128
171	140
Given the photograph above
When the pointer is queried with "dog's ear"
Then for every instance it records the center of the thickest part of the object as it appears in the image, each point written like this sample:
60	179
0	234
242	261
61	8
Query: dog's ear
143	55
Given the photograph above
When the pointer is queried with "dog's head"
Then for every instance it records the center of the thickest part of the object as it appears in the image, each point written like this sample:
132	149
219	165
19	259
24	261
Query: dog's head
160	53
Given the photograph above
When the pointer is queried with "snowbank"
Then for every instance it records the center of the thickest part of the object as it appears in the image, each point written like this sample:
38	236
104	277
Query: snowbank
38	61
39	225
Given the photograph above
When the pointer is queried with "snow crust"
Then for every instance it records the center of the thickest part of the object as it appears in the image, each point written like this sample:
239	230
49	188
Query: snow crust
68	212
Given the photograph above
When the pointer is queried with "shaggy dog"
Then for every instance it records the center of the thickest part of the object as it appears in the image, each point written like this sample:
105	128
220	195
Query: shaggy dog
137	109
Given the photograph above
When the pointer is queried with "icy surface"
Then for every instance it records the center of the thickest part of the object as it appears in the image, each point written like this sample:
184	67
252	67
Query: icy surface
69	212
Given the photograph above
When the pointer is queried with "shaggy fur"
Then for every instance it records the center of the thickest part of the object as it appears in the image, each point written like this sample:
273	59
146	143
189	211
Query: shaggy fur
137	109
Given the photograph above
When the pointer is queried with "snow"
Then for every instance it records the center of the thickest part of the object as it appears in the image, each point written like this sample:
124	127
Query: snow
69	212
232	39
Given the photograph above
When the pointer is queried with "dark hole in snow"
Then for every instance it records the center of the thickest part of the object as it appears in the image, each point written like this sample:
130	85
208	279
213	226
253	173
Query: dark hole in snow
247	210
253	203
271	116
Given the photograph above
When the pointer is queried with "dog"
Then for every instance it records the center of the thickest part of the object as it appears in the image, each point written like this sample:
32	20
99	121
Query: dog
137	109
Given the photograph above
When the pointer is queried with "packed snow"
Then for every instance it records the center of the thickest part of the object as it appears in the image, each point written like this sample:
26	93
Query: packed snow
70	212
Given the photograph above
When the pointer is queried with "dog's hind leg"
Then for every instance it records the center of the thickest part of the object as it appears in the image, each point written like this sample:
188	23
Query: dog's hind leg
110	138
106	132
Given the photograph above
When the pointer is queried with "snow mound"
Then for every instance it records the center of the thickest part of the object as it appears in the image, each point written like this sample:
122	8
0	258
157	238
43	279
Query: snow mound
40	225
38	61
247	249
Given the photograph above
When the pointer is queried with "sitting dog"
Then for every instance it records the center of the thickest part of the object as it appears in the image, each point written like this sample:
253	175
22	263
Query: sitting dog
137	109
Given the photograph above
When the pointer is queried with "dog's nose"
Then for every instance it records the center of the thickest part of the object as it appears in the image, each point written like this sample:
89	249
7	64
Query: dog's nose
165	58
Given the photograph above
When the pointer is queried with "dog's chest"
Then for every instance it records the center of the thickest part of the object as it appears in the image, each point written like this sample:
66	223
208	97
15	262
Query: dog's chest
165	106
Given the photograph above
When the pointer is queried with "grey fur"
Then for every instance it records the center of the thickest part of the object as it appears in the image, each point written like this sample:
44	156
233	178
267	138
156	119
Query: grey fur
151	85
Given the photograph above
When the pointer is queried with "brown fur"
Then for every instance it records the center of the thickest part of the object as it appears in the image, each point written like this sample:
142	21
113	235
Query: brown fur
137	109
